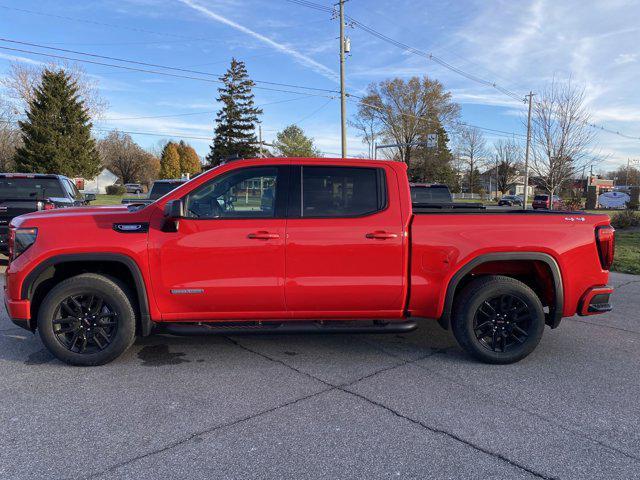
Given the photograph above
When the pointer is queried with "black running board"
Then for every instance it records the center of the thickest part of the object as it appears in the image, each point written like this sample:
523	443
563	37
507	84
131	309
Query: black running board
332	326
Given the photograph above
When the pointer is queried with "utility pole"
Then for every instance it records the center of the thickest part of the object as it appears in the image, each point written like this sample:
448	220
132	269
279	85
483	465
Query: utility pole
260	140
343	98
526	155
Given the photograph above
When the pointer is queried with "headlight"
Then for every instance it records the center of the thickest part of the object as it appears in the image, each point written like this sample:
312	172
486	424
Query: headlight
20	239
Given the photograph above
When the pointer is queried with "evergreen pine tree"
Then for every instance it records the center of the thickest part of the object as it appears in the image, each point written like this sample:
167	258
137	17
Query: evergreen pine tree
170	161
189	159
56	137
292	142
434	165
235	122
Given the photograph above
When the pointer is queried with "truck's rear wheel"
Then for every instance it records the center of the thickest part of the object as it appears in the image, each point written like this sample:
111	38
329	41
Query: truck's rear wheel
87	320
498	319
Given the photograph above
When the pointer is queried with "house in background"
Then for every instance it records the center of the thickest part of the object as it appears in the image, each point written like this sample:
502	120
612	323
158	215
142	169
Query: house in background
99	183
488	183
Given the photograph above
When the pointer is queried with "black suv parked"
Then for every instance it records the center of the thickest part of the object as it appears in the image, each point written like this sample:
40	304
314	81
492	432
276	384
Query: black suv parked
22	193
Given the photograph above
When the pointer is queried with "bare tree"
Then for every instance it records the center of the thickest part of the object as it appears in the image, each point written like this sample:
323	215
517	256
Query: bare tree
561	136
125	158
23	79
9	136
472	149
405	111
368	126
508	156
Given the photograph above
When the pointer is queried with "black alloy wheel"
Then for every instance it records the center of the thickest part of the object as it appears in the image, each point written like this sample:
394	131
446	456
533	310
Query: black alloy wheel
85	323
502	322
498	319
88	319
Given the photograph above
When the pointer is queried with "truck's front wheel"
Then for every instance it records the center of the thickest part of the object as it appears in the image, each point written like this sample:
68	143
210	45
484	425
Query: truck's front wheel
87	320
498	319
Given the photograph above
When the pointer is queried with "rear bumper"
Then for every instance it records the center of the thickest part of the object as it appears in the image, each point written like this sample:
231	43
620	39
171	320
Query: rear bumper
596	301
19	311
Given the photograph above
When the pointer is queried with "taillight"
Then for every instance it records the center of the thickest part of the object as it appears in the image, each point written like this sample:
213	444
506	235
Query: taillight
606	241
46	205
11	242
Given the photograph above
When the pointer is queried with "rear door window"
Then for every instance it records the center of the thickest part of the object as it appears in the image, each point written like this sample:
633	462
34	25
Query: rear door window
329	192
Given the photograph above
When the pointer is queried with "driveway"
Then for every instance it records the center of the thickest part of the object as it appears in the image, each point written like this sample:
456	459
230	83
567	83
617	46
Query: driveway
329	406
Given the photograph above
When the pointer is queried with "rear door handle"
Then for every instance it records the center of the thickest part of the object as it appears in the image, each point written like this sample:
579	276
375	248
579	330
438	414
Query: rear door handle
381	235
263	235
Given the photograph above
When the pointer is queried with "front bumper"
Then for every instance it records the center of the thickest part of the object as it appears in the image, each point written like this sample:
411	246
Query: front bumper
19	311
596	301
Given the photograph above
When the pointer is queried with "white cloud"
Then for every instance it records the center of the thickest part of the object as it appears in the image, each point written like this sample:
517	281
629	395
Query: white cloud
625	58
16	58
281	47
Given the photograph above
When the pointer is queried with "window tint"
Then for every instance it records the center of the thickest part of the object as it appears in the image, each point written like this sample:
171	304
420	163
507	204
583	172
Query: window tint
36	188
430	194
72	189
245	193
541	197
341	191
160	189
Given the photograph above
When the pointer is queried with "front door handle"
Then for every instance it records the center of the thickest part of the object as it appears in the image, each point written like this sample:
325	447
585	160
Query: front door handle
262	235
381	235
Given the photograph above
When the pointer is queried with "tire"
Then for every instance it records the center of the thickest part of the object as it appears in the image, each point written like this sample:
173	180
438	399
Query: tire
87	320
498	319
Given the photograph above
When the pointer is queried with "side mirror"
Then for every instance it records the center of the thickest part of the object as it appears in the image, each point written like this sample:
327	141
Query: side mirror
174	209
89	197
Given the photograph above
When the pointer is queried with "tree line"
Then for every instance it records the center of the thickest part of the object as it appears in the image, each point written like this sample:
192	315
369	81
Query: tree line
60	104
55	136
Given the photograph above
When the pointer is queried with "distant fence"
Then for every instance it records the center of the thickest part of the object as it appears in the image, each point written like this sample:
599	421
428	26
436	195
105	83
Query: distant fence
469	196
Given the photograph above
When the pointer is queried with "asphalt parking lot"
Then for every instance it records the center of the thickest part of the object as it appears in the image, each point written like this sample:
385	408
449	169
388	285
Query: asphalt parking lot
341	406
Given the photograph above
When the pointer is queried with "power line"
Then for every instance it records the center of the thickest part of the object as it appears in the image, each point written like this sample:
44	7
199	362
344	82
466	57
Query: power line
104	24
307	117
156	65
415	51
155	72
203	113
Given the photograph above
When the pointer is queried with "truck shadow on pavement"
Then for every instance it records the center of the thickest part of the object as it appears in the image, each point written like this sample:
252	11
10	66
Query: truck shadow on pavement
17	345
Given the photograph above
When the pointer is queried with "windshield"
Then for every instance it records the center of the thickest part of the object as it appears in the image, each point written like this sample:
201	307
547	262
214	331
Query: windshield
30	188
541	198
430	195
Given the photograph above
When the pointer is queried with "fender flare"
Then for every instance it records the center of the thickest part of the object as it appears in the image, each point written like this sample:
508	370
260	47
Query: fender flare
146	325
555	311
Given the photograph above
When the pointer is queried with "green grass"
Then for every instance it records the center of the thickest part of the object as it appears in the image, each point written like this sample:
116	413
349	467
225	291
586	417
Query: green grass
477	200
107	200
627	257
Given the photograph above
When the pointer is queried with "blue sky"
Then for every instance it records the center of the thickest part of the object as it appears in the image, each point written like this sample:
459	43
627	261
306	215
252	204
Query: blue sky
521	45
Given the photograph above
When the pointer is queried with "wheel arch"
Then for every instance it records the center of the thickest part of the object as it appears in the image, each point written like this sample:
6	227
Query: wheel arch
498	262
46	270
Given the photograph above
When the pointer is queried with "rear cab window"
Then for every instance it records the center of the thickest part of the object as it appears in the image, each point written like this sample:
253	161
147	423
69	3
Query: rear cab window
30	188
430	194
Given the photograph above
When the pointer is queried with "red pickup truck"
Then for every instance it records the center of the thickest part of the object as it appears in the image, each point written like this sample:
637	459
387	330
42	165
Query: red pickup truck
302	245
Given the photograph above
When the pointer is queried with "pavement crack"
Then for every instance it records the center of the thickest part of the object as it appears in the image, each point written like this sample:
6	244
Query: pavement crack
626	330
344	389
453	436
569	429
626	283
196	434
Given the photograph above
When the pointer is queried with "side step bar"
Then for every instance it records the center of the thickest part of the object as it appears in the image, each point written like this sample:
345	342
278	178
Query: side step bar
240	328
